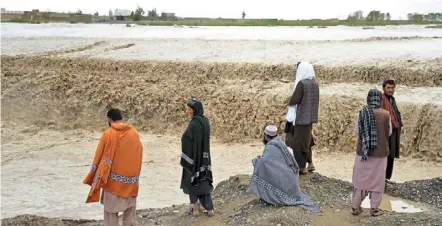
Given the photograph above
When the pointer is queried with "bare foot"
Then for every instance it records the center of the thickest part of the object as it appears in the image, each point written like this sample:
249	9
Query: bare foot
303	171
195	210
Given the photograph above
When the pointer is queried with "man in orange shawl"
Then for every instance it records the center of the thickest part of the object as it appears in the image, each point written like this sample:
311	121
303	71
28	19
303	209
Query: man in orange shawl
389	104
115	170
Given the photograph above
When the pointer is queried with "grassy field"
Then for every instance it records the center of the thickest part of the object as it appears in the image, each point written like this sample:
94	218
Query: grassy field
274	22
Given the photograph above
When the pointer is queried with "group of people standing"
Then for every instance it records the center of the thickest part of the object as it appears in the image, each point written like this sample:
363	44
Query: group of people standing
118	158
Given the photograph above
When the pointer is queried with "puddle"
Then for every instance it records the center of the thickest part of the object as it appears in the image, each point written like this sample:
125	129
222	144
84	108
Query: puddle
393	204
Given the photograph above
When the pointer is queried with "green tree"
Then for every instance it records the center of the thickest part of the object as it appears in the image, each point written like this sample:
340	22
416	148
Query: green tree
46	15
388	16
111	15
358	15
374	15
417	17
410	16
382	17
152	13
96	14
243	15
138	15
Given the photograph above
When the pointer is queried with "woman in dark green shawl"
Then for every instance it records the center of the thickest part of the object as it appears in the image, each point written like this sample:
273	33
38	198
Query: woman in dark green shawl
196	180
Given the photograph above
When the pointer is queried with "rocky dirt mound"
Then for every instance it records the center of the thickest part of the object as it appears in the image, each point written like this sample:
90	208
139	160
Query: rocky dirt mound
235	207
426	191
239	99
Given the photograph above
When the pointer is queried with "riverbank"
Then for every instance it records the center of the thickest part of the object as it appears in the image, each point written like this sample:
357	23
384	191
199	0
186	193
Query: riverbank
247	22
236	207
276	22
55	161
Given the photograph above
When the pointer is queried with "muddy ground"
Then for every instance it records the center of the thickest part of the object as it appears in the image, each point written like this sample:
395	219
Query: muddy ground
235	207
54	162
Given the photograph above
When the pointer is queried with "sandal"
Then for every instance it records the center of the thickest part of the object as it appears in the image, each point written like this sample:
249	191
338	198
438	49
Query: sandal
311	168
376	212
356	212
210	213
388	181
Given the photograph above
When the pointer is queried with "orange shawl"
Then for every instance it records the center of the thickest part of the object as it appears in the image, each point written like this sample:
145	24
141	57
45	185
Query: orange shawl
105	169
102	164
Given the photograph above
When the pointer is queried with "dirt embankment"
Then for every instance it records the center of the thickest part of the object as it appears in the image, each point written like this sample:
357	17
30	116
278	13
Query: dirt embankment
236	207
239	98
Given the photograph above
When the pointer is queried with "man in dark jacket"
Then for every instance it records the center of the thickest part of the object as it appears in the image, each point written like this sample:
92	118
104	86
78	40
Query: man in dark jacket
389	104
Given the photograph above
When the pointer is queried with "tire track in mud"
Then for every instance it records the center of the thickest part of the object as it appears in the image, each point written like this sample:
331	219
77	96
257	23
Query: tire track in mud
73	50
119	47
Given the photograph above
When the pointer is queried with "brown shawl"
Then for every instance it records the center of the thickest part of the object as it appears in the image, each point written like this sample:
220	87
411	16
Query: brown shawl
387	105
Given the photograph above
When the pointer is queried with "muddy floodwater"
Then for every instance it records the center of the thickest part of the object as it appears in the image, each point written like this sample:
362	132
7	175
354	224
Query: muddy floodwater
331	46
212	33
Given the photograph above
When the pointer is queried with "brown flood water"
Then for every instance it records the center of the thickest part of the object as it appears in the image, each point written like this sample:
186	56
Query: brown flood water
42	170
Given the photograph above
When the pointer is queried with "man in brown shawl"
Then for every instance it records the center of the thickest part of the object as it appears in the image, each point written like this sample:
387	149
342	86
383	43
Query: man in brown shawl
389	104
302	113
373	128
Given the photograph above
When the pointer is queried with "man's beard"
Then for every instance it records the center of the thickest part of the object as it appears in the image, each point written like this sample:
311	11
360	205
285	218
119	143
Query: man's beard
264	141
387	95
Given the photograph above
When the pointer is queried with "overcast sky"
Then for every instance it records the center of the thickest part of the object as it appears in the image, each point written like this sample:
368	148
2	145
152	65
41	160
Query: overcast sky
281	9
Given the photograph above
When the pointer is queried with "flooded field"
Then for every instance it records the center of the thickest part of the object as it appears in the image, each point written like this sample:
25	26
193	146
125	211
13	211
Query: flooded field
396	45
212	33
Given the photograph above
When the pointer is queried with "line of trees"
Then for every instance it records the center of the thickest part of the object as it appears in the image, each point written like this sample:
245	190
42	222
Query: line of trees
424	17
139	14
376	15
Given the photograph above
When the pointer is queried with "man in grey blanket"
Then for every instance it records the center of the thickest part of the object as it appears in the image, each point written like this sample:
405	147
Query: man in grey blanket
276	175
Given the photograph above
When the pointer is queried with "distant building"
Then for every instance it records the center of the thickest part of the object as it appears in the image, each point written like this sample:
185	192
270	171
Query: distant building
100	19
37	16
168	16
121	14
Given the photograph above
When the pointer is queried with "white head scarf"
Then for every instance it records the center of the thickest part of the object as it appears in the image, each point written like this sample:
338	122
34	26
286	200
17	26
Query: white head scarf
304	71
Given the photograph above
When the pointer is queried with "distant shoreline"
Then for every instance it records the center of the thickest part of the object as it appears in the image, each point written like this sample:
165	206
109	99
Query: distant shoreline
252	23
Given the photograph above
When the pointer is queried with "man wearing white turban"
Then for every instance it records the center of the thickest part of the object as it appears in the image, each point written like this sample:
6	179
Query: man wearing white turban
275	178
